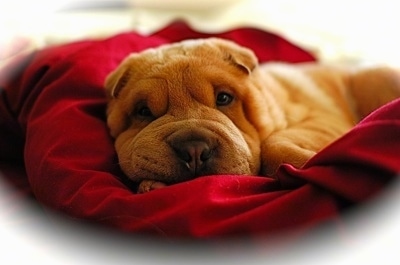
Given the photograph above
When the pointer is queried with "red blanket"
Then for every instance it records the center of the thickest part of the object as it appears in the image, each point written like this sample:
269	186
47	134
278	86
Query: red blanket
52	123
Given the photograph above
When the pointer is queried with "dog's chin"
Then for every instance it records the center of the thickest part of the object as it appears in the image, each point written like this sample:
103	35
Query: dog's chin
161	165
180	173
156	153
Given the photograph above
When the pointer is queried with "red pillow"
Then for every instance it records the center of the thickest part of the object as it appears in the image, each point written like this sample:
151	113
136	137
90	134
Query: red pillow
52	117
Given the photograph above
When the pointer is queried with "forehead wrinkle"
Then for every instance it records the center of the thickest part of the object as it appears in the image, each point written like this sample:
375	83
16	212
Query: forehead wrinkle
198	84
182	86
137	84
177	93
148	87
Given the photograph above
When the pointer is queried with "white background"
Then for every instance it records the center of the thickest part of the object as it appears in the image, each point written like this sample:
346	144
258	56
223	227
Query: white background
338	31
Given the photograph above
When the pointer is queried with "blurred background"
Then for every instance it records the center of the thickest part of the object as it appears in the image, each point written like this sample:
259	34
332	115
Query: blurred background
341	31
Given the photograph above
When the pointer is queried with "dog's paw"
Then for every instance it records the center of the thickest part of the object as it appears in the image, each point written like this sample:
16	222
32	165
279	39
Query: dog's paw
149	185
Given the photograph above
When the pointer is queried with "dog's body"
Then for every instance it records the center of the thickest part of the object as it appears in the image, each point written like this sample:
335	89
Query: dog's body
205	107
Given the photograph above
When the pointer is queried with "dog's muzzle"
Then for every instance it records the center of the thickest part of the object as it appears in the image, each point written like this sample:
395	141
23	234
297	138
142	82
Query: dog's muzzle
194	149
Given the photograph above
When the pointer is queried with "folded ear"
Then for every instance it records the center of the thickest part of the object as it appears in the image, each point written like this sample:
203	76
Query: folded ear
243	58
117	80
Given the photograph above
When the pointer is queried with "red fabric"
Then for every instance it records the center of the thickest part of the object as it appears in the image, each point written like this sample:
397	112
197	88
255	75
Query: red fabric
52	119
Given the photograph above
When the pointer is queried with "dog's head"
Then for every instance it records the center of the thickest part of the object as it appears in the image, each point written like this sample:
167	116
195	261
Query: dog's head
185	110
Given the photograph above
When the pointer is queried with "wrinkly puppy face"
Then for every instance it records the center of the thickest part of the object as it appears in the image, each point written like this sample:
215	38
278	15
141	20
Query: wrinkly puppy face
181	111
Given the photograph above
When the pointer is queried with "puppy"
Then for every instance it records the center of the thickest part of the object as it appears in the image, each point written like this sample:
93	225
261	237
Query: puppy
206	107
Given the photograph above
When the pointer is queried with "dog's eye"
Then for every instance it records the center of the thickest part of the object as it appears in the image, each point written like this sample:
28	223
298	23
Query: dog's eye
144	112
224	99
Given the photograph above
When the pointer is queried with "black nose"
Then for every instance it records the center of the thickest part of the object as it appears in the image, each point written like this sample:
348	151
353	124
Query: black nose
194	153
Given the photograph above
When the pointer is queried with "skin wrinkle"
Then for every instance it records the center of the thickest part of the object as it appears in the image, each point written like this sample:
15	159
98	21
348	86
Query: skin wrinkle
196	97
174	97
281	113
221	134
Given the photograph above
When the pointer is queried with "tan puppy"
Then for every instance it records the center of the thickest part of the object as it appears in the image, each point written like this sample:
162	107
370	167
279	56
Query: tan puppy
203	107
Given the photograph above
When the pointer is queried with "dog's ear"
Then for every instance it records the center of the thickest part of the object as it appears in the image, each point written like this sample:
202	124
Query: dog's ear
243	58
242	62
116	81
